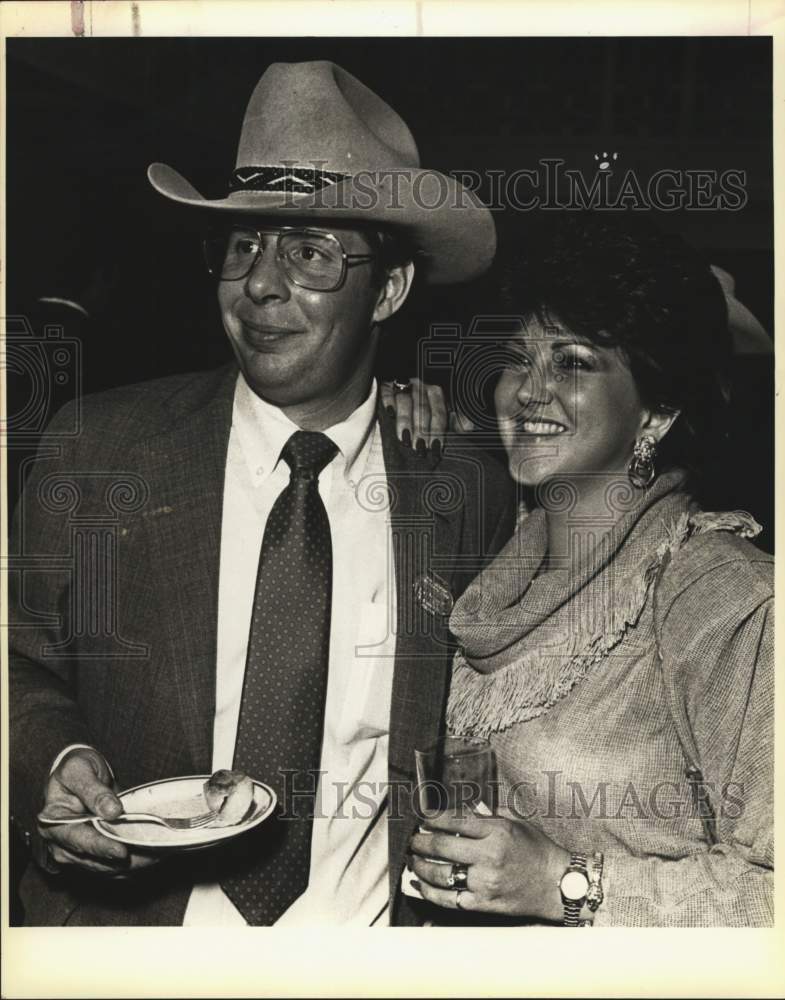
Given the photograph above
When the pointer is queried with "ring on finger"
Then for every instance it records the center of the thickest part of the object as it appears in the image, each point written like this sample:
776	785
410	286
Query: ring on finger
459	874
401	385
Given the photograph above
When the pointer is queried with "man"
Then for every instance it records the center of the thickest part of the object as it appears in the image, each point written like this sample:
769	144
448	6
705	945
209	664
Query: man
221	569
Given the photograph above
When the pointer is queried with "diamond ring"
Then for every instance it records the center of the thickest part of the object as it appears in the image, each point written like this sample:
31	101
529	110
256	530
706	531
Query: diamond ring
458	876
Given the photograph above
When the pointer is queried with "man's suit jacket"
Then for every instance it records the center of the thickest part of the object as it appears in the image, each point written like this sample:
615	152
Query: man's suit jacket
114	598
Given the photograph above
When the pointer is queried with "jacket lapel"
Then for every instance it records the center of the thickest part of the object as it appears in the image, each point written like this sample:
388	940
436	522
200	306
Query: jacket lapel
187	465
425	539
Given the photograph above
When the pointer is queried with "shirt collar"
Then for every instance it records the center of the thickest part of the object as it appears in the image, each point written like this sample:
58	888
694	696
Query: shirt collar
263	430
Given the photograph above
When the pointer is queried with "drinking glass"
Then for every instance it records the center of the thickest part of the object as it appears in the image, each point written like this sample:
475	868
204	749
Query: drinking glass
456	774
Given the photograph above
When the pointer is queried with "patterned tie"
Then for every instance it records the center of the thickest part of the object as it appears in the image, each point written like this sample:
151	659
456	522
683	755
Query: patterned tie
282	710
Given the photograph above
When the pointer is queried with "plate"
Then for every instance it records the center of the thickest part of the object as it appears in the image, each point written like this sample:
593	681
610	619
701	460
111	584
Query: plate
180	797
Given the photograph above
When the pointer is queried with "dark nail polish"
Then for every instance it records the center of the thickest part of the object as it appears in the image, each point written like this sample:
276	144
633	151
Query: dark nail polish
416	884
421	446
436	448
406	437
390	411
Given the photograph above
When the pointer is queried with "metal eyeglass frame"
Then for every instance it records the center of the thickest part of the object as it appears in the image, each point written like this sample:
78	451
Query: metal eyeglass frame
347	259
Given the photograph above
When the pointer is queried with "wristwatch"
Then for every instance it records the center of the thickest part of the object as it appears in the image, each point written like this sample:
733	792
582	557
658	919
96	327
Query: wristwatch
573	886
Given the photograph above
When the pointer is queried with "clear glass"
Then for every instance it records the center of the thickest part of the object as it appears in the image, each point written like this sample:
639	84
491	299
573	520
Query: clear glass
310	258
457	773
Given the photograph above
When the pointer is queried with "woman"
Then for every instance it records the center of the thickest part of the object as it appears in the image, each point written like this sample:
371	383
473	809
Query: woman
618	652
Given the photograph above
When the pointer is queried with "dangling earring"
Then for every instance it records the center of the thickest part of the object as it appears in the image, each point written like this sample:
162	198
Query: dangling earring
641	468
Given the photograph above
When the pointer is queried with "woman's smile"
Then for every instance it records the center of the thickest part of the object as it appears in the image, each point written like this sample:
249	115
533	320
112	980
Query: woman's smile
540	427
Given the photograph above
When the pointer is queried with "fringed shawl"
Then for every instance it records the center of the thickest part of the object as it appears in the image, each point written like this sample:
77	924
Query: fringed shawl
528	638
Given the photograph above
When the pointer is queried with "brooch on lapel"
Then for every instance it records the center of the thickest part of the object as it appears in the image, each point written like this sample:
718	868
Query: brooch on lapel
433	595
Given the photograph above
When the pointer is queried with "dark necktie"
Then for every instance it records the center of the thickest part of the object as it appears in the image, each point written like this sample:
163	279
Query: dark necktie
279	734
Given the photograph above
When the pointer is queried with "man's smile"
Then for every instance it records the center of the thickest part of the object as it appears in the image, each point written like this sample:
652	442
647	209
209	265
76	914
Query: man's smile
259	335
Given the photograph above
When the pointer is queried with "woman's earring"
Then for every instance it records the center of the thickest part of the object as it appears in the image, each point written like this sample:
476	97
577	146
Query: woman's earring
641	468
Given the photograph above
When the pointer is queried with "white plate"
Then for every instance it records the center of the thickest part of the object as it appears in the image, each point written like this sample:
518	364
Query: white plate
179	797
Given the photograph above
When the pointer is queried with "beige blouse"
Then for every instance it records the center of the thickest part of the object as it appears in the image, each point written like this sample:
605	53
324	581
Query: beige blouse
577	708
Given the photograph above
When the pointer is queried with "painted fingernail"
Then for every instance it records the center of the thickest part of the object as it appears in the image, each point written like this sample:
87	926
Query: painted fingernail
421	446
391	411
436	448
406	438
416	884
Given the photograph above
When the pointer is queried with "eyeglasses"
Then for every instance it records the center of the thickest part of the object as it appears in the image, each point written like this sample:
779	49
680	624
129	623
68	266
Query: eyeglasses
310	258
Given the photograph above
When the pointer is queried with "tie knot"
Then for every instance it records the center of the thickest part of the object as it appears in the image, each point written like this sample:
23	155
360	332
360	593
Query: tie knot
307	452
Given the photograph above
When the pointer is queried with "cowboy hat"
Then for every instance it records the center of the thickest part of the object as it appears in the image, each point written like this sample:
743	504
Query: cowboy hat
747	333
316	142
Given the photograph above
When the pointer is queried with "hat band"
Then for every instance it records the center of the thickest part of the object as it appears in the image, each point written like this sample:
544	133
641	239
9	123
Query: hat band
296	180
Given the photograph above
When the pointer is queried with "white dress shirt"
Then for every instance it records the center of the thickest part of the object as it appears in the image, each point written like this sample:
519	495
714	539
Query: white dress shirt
348	874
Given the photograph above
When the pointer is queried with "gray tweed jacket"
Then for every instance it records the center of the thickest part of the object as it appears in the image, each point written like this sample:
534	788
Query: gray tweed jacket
114	591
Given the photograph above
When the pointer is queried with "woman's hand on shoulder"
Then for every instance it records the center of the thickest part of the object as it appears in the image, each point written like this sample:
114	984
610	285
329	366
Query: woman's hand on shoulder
421	415
513	868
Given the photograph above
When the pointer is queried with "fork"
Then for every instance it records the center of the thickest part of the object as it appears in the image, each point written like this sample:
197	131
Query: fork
172	822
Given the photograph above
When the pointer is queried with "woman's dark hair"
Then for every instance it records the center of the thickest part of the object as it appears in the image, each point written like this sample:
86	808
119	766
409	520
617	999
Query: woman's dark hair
620	282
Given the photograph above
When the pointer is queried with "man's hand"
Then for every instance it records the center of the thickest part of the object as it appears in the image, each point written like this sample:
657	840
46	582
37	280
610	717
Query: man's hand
82	782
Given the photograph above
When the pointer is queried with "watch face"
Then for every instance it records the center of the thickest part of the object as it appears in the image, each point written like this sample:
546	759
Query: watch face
574	885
